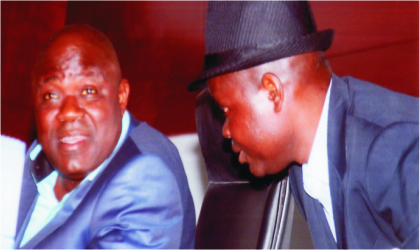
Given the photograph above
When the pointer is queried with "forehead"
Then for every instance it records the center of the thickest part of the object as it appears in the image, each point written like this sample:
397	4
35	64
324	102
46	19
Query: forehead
72	53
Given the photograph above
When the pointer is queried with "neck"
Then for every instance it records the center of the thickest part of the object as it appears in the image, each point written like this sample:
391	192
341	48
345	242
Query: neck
307	122
64	186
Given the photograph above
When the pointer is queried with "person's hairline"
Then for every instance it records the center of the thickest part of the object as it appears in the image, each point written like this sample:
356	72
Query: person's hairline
81	30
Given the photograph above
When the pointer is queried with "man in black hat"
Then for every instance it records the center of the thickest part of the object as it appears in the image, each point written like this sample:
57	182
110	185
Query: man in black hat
352	147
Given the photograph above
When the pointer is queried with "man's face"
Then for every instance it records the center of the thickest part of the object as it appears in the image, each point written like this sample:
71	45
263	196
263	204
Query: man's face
257	133
77	107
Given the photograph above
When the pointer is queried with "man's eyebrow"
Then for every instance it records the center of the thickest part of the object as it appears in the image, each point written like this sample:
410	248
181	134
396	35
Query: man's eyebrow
49	79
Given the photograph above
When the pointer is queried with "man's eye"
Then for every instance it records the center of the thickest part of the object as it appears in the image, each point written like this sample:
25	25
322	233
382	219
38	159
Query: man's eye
50	96
89	91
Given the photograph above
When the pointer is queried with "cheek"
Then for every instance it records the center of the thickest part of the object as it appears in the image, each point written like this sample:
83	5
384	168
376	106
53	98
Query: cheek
244	132
263	135
98	113
239	126
46	127
45	120
105	116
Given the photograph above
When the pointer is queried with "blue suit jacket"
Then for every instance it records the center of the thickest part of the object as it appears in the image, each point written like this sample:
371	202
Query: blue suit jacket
373	153
140	199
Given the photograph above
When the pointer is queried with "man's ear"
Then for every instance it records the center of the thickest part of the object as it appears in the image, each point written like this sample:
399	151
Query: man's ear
124	92
273	85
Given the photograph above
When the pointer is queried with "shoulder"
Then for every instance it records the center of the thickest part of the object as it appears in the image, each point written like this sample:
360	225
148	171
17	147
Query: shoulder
382	123
144	175
379	105
148	139
143	166
152	142
145	181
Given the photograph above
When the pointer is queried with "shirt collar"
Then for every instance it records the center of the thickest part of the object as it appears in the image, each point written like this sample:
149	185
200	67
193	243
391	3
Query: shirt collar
46	185
317	164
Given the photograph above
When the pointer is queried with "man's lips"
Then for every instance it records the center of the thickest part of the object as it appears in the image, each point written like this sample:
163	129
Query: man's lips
72	136
241	157
72	142
73	139
236	149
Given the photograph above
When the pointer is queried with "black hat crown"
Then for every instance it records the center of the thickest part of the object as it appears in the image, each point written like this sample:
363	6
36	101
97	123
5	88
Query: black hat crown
241	35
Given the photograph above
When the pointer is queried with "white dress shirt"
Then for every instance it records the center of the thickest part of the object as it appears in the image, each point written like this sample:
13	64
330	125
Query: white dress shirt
47	204
315	171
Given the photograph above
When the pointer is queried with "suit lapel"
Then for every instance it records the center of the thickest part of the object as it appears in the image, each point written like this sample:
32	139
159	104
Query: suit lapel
336	145
312	210
21	232
28	196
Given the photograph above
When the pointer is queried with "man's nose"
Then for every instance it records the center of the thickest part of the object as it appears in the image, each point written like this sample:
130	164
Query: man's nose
226	131
70	110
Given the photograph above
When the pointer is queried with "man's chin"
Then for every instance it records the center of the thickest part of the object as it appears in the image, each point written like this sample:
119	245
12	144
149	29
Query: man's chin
256	168
257	171
73	174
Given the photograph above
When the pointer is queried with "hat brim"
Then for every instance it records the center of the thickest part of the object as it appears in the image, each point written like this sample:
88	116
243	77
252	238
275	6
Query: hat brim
244	58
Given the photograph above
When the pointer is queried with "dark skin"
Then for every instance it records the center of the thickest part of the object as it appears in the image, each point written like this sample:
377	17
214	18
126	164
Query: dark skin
79	100
273	110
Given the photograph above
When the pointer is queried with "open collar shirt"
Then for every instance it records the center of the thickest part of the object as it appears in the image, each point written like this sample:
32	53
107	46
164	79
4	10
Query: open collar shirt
47	204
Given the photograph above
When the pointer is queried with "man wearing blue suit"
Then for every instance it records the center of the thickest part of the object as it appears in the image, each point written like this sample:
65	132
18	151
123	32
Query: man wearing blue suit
96	177
351	147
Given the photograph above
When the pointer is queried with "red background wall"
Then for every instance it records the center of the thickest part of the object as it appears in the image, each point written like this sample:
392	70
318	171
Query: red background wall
161	50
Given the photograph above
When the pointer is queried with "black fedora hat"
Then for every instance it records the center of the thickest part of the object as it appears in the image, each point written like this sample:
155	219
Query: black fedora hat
241	35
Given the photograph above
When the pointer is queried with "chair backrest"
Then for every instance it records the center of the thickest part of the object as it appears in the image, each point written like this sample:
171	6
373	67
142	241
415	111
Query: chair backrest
239	210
